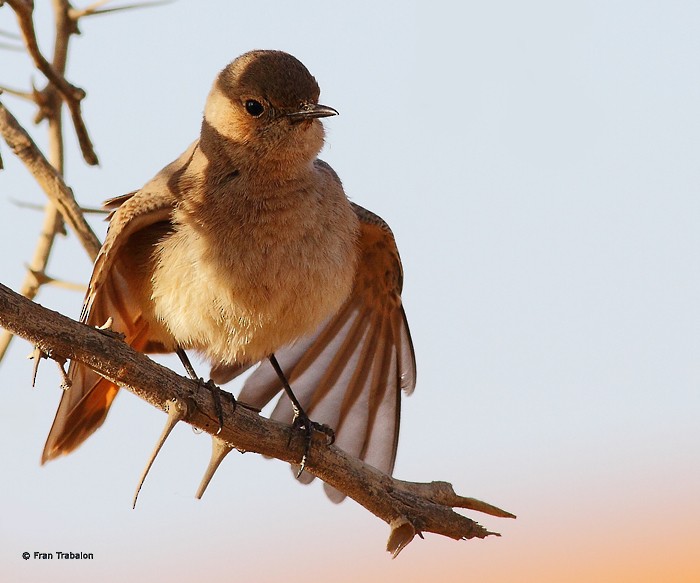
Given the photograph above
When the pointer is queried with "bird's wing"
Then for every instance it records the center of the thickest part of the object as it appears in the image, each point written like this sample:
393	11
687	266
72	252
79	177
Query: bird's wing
119	289
349	374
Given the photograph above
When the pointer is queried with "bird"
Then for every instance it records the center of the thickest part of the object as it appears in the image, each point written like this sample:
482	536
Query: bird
247	250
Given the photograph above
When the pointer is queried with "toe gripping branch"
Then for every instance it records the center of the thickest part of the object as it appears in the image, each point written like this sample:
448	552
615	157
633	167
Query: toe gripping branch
301	420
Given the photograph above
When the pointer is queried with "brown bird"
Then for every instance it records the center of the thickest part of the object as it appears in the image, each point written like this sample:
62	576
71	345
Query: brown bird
247	247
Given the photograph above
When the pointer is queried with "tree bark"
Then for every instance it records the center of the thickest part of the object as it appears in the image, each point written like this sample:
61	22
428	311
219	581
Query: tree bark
409	508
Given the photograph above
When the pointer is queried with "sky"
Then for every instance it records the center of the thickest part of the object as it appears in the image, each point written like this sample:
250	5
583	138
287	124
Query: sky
538	164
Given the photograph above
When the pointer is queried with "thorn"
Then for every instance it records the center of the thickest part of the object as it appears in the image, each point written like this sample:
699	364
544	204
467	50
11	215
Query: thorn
94	9
43	279
402	533
177	411
36	355
219	450
88	210
76	14
42	207
16	92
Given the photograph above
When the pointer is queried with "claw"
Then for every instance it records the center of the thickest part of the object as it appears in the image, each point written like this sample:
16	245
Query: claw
211	385
301	419
107	330
65	381
177	411
219	450
302	422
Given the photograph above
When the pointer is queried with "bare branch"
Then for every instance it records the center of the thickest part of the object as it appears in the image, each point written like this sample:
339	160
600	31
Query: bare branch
50	108
30	286
409	508
71	94
49	179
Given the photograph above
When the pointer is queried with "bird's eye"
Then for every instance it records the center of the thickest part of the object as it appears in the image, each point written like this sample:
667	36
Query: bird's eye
254	108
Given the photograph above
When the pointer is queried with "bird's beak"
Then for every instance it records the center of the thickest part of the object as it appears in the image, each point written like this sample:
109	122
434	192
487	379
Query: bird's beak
312	111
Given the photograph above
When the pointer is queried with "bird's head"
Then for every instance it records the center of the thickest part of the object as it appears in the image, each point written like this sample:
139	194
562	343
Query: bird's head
266	103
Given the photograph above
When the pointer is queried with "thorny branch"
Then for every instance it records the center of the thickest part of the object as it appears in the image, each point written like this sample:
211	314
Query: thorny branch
49	179
72	95
49	102
409	508
49	105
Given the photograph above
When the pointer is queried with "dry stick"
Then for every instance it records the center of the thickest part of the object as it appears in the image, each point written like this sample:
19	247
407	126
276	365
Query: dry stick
49	179
409	508
71	94
49	102
31	284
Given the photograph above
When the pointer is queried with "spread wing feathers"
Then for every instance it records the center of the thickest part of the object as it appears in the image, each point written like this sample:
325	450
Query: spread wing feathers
349	374
118	289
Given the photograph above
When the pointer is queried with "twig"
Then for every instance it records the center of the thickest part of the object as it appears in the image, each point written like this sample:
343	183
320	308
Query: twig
409	508
94	9
71	94
87	210
49	108
49	179
11	35
31	284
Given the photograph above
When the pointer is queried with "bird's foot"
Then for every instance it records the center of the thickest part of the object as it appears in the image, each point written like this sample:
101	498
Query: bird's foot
301	422
215	392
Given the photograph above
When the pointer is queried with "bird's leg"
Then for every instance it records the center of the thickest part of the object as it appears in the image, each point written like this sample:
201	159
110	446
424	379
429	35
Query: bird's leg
301	419
185	360
210	384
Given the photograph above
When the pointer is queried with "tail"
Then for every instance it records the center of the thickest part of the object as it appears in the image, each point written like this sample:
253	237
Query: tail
83	408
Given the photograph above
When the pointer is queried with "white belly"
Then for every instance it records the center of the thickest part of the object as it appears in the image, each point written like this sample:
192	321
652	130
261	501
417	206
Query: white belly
249	303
